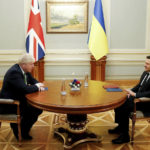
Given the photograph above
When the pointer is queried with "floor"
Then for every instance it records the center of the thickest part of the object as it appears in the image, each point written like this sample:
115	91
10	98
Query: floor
43	138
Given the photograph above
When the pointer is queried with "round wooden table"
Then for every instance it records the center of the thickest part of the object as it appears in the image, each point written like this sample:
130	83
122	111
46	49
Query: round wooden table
76	104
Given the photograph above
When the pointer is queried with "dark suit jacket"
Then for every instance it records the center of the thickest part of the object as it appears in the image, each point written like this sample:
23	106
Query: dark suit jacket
14	86
145	92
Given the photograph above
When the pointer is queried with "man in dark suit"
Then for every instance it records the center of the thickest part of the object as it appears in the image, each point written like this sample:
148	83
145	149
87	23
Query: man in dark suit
16	84
142	89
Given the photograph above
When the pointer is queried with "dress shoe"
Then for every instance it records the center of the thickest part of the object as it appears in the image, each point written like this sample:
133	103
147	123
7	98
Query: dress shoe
27	137
116	130
123	138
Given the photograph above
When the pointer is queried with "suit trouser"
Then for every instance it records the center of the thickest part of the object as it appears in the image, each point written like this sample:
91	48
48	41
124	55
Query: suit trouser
122	113
29	116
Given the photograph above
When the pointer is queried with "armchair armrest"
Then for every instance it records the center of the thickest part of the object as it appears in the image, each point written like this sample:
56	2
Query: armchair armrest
6	101
9	101
144	99
137	100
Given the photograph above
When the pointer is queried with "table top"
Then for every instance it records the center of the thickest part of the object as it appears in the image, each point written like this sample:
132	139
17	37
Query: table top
91	99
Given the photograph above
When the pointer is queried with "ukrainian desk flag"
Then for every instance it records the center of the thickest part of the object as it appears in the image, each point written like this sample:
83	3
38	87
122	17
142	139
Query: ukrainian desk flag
97	40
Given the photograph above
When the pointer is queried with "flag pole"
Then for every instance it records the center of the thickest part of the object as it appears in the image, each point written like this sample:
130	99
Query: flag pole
35	44
97	43
97	40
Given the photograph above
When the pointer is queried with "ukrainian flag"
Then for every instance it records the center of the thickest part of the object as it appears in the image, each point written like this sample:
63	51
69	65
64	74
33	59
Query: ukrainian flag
97	40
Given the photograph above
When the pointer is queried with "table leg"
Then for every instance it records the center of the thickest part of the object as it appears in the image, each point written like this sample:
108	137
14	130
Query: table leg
76	131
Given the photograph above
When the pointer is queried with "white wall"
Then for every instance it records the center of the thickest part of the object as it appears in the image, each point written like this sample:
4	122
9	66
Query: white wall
12	25
127	26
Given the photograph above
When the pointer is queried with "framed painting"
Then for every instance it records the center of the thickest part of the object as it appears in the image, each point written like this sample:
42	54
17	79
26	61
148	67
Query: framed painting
67	17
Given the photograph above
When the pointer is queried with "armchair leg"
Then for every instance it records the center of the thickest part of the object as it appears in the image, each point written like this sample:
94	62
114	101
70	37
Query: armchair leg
19	133
133	128
0	124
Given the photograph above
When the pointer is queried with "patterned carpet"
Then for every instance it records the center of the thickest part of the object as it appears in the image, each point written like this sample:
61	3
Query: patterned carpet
43	138
99	123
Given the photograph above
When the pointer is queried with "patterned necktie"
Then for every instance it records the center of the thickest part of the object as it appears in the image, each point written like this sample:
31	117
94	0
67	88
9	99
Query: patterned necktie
145	79
144	82
25	78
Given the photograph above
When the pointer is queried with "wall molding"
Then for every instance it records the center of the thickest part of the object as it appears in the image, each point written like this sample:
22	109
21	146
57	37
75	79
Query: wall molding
127	55
67	57
73	63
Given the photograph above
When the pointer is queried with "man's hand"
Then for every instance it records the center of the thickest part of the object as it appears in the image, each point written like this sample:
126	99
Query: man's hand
42	89
130	93
40	86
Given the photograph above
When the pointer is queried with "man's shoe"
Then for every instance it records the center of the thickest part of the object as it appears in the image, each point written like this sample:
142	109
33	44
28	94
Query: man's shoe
123	138
116	130
27	137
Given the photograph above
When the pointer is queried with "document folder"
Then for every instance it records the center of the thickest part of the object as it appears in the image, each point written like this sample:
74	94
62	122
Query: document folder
114	90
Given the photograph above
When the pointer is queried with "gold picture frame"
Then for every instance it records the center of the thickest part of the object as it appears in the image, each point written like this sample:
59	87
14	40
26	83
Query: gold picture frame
67	17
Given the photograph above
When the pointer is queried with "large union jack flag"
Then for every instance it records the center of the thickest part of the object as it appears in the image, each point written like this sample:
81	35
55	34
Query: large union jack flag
35	39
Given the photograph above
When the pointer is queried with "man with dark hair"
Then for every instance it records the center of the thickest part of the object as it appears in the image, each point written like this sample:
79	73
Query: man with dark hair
16	84
142	89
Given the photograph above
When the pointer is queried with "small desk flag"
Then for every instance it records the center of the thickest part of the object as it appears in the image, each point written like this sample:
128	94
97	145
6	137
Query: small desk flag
35	44
97	40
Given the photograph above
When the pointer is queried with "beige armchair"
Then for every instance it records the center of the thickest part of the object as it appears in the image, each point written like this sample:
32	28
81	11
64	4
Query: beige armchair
137	115
12	118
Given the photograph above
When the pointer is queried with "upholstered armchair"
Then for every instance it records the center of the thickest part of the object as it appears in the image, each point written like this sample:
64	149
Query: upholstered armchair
139	115
12	118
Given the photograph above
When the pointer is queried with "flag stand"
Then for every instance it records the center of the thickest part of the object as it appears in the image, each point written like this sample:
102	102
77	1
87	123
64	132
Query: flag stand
38	71
98	68
35	44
